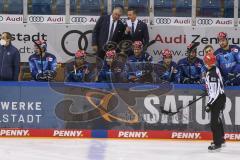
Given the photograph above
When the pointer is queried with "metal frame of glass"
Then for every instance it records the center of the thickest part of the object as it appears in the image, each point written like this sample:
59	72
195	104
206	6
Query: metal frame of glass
107	5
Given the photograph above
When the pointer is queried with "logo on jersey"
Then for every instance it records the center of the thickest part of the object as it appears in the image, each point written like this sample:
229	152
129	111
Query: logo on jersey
198	64
234	50
226	57
50	59
213	79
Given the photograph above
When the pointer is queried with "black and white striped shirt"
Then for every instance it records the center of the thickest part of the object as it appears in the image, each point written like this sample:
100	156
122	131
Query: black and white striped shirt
214	84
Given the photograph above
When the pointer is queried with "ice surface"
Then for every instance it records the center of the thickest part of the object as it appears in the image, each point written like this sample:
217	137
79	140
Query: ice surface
105	149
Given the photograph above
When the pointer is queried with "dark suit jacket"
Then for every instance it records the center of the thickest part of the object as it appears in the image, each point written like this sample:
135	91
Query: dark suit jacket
101	30
140	34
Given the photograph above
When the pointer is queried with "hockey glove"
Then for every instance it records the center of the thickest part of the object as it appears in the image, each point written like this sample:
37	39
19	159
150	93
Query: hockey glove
40	77
77	78
139	74
208	108
186	80
50	74
132	78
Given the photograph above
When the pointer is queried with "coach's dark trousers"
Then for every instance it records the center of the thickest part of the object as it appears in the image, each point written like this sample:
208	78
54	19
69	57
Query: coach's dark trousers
216	119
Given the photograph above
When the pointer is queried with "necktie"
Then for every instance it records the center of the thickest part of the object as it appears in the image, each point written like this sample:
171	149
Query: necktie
132	28
111	31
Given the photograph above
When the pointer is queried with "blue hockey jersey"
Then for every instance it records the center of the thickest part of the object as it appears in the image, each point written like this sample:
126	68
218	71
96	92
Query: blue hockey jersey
163	73
83	73
140	68
228	62
115	73
191	73
48	63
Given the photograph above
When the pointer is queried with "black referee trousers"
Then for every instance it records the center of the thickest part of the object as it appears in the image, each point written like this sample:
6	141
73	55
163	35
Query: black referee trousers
216	121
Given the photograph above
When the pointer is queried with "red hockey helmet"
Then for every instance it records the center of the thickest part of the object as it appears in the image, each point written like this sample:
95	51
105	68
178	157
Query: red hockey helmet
110	54
209	59
222	35
166	53
138	45
80	54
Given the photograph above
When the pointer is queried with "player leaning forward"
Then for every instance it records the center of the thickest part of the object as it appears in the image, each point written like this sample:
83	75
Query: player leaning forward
217	100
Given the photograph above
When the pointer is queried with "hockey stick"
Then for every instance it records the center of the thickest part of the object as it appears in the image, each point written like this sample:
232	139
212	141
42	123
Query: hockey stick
231	80
170	75
193	46
182	107
149	44
124	45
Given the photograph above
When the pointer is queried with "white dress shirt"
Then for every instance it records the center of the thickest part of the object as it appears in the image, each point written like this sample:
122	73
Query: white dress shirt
129	24
110	25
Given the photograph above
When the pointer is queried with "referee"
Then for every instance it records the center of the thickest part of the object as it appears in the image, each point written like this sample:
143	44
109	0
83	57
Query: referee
217	100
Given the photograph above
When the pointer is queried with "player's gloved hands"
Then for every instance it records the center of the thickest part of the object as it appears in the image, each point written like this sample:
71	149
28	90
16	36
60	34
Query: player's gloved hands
86	71
174	70
197	82
149	58
133	78
40	77
139	74
186	80
228	83
202	81
77	78
231	76
45	74
50	74
117	70
208	108
233	79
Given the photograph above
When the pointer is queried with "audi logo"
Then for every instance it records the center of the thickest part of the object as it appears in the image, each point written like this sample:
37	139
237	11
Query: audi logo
36	19
82	40
163	20
1	18
79	19
205	21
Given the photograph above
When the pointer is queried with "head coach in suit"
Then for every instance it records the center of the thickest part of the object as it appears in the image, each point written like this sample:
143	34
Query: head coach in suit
107	28
136	30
